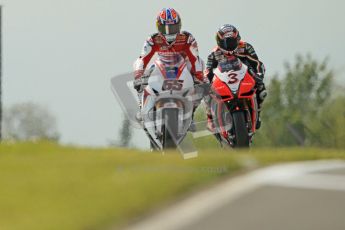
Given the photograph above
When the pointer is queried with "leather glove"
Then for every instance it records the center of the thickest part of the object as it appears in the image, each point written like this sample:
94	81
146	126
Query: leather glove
137	84
259	81
198	77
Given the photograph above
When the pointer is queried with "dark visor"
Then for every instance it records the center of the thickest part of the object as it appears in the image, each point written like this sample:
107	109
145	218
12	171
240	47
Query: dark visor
230	44
169	29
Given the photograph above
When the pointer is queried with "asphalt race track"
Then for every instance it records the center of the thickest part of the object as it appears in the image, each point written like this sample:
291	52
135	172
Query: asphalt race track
299	196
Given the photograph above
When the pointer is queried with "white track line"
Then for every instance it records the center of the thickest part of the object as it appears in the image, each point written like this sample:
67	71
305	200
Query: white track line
205	202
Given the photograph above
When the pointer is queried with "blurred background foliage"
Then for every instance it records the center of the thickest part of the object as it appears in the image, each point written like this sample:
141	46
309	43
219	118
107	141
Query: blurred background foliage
304	107
29	122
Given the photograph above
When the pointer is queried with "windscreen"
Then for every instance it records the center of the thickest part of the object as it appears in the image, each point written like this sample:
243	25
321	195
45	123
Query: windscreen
171	63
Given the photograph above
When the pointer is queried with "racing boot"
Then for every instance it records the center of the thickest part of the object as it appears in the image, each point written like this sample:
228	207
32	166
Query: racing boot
210	125
138	115
260	99
192	127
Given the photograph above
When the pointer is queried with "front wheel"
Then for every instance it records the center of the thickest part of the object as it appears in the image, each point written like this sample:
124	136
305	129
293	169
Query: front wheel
241	139
170	128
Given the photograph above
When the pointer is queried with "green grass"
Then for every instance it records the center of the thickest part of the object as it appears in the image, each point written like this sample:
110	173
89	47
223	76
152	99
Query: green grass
47	186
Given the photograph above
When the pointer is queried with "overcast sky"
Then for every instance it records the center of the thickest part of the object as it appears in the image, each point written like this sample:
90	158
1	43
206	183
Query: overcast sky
62	53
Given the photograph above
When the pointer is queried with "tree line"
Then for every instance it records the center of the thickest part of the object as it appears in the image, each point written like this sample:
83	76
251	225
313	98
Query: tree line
304	107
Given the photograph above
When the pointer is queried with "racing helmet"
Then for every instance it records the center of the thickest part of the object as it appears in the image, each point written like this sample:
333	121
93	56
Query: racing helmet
168	24
228	38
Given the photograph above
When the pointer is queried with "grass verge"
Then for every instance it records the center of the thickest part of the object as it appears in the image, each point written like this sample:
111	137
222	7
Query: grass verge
48	186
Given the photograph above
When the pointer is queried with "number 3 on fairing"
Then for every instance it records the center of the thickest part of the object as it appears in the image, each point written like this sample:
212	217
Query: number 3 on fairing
172	85
233	78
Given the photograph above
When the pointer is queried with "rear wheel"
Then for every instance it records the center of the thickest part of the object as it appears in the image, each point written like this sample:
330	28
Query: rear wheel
240	130
170	128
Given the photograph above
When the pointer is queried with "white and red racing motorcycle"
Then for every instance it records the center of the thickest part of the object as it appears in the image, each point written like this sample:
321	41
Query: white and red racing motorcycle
168	98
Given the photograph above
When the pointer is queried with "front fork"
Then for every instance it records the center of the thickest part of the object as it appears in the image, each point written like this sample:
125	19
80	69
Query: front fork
249	107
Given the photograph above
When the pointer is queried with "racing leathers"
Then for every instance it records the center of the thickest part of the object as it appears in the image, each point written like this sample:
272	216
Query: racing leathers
246	53
184	44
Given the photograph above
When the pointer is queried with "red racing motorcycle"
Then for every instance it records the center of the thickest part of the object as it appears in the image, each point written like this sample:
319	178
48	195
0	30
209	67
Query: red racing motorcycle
233	104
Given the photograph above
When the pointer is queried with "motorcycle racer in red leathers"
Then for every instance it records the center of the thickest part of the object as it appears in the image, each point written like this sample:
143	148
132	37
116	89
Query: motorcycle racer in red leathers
169	40
229	44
